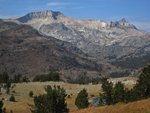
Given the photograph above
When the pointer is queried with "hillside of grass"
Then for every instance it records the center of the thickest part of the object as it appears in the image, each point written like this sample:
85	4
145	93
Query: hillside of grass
142	106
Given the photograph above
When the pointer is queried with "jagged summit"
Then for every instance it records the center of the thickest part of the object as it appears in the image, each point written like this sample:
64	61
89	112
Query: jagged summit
37	19
123	23
123	20
40	15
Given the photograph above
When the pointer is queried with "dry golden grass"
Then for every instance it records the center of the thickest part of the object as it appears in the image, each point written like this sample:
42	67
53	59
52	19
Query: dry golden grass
142	106
23	99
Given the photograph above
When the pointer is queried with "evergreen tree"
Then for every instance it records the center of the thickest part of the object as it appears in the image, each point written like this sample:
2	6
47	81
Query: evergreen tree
144	82
1	105
52	76
107	91
12	98
11	111
4	77
119	93
17	78
128	95
51	102
4	110
8	85
142	88
82	99
25	79
31	94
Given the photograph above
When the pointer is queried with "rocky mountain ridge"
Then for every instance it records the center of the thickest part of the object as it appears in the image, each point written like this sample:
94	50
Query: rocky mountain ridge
117	46
23	50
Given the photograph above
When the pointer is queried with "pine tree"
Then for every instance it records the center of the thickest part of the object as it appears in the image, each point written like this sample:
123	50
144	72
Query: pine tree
31	94
51	102
17	78
4	77
107	91
119	93
82	99
142	88
25	79
8	85
1	105
128	95
12	98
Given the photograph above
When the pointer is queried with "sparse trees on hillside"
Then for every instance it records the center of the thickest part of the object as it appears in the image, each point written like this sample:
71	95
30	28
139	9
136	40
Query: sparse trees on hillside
118	93
82	99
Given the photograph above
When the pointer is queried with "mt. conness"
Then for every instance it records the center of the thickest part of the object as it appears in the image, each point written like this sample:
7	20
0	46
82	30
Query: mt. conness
118	48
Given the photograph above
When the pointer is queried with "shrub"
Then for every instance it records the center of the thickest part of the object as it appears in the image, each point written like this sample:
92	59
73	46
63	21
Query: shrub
68	96
1	105
4	110
25	79
13	91
4	77
82	99
31	94
95	81
17	78
12	98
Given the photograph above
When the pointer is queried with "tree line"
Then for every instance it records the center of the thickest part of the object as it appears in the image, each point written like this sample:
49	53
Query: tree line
52	76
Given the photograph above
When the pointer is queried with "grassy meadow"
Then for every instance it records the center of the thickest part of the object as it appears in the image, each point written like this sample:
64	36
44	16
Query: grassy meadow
23	100
22	94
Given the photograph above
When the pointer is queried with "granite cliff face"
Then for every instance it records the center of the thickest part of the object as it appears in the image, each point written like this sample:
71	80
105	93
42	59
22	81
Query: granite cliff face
118	46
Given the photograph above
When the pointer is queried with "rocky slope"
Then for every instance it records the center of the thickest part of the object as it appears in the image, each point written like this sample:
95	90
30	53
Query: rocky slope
24	51
118	46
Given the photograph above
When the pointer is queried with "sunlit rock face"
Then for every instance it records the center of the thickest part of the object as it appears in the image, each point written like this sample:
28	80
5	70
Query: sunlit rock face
24	51
118	46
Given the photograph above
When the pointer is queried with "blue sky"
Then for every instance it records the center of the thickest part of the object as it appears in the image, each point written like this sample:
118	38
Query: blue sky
135	11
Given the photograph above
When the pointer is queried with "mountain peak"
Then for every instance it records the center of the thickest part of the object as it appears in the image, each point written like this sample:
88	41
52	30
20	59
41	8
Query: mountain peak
123	23
38	15
123	20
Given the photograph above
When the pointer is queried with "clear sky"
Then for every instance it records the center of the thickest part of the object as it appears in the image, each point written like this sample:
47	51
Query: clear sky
135	11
